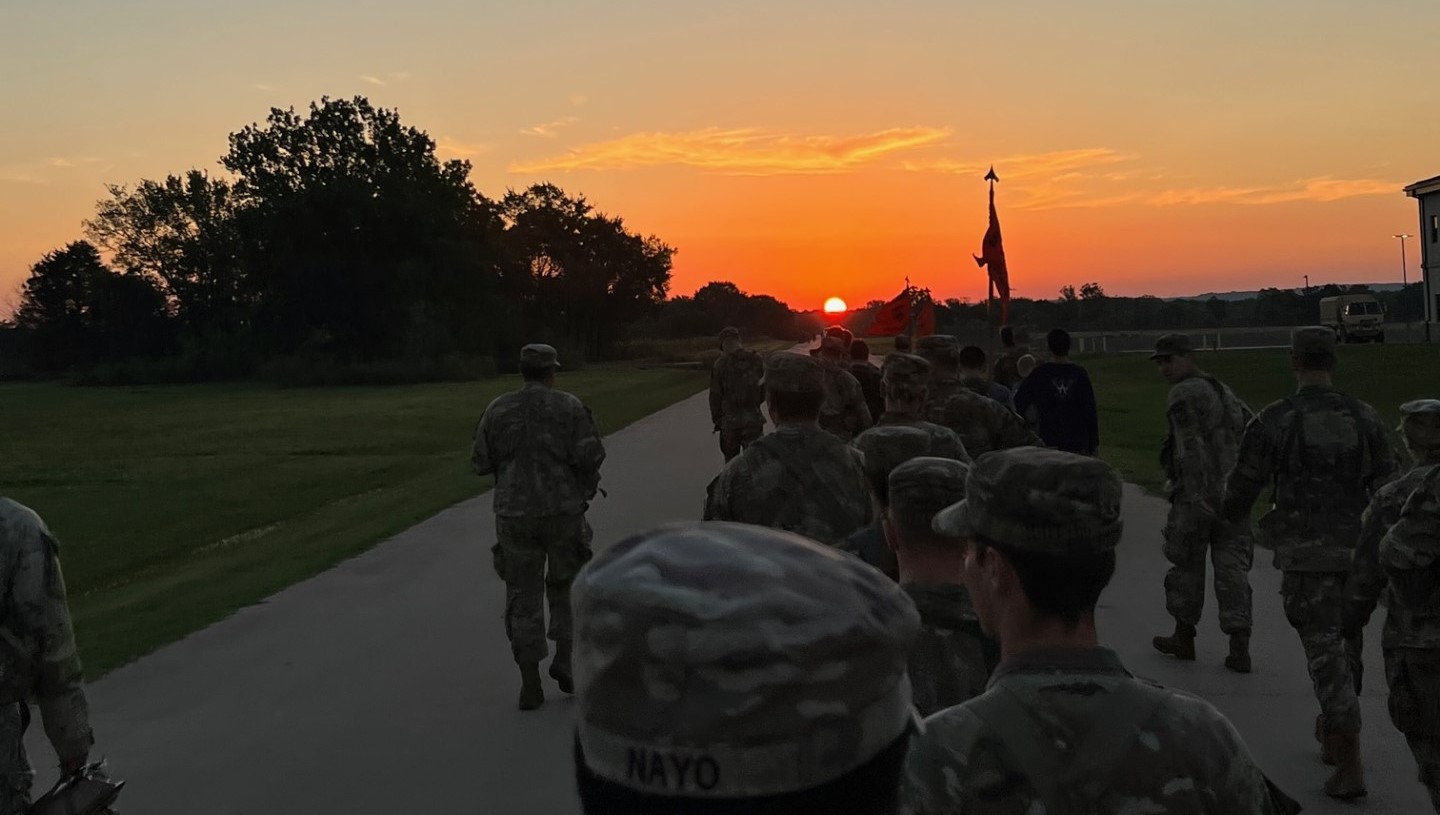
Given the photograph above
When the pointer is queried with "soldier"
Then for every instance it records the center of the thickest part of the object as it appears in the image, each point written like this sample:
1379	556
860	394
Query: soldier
1326	454
884	448
704	689
545	452
843	412
906	379
974	376
1063	726
982	423
1061	399
952	659
1007	371
798	478
1206	420
37	656
1404	568
868	376
736	394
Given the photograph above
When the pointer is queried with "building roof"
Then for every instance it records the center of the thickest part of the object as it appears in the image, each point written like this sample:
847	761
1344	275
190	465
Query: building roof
1426	187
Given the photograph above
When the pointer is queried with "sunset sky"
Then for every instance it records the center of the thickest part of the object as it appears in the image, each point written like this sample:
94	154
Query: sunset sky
801	149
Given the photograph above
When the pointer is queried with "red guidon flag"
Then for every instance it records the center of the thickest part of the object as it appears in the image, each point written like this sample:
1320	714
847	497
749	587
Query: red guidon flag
893	318
925	320
993	256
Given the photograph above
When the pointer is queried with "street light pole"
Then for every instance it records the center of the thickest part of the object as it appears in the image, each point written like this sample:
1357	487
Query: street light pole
1404	276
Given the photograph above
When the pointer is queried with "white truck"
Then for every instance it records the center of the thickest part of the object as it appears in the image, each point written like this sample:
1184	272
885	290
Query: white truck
1353	317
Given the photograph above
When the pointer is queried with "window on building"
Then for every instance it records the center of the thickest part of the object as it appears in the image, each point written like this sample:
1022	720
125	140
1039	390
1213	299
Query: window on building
1435	228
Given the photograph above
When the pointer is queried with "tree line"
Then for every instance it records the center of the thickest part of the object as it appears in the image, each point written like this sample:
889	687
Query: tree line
335	238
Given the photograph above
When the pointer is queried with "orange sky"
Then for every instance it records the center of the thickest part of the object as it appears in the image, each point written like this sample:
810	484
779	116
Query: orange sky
810	150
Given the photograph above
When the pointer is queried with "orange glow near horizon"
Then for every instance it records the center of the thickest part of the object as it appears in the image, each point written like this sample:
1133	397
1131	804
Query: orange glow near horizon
835	306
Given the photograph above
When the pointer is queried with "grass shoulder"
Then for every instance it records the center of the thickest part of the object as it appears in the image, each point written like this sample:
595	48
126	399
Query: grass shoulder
177	505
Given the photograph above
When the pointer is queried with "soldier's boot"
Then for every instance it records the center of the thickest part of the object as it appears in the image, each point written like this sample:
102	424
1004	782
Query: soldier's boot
1327	753
560	667
532	696
1348	780
1239	658
1180	645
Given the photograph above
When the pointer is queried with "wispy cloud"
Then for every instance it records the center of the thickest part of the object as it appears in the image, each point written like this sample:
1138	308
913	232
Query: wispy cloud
373	80
260	86
453	148
747	151
1026	166
550	130
67	163
1321	189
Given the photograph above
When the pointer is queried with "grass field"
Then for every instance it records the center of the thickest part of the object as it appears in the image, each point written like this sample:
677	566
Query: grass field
177	505
1131	394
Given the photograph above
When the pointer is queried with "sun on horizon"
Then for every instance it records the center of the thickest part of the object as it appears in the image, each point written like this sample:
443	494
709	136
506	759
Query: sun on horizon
835	305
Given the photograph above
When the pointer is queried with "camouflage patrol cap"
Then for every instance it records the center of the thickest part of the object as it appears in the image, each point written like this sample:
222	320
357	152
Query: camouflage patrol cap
939	348
923	486
539	355
886	447
1420	424
729	332
905	370
1038	500
1173	345
789	372
720	660
1313	339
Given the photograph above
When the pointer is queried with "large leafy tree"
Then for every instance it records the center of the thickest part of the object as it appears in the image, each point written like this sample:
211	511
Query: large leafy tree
355	237
181	233
588	274
75	310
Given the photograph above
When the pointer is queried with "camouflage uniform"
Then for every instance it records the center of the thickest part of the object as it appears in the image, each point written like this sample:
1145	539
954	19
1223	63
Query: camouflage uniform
798	478
544	449
1007	368
871	385
736	396
982	423
952	658
843	412
1326	453
37	654
1404	565
698	679
1206	420
1060	729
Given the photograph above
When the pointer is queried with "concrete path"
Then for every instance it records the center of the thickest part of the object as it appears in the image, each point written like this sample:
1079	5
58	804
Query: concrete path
386	685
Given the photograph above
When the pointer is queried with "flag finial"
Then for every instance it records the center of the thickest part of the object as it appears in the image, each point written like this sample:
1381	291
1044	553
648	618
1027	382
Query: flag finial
990	176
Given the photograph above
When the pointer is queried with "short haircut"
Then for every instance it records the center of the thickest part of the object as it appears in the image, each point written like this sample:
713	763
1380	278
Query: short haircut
1064	586
1320	361
870	789
972	357
1007	336
859	349
798	407
1058	341
535	373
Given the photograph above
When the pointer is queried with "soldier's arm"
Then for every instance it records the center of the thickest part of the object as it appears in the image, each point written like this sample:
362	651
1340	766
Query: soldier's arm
1252	467
1367	580
39	605
1385	464
717	393
480	460
588	450
1087	403
717	499
1010	430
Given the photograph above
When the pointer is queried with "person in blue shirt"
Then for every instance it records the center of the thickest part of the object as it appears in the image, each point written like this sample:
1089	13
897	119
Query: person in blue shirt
1059	398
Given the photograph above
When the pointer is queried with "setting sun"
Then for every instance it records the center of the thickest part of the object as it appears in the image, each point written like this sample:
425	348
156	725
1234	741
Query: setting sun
834	305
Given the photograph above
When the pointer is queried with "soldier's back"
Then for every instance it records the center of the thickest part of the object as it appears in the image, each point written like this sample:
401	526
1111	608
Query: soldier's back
983	424
531	438
738	376
1060	741
798	478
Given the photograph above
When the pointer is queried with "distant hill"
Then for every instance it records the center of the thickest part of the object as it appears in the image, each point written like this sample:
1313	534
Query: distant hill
1247	295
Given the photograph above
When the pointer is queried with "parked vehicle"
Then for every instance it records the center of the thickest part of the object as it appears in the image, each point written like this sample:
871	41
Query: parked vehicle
1354	317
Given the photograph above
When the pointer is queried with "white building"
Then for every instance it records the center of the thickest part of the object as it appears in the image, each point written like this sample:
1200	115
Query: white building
1427	192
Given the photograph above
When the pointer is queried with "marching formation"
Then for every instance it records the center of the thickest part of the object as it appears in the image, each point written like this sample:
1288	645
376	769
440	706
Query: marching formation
927	539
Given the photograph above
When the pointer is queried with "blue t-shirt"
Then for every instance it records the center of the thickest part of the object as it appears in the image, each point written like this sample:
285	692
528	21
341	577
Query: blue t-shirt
1064	403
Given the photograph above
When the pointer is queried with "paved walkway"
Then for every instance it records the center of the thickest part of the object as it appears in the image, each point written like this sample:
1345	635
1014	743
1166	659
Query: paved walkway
385	684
